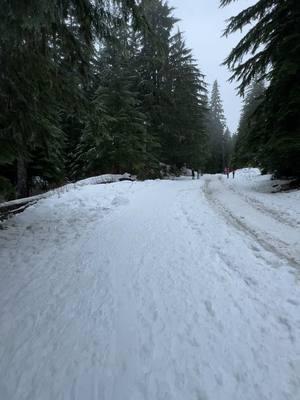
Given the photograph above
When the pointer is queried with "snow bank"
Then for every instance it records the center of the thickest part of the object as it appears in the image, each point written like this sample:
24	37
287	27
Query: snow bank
108	178
247	173
20	204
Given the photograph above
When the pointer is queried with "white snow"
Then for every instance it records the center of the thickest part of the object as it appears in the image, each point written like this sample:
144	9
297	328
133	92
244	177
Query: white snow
164	290
95	180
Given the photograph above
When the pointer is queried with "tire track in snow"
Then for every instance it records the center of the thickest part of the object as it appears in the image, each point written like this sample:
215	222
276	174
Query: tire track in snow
231	269
242	226
228	273
261	207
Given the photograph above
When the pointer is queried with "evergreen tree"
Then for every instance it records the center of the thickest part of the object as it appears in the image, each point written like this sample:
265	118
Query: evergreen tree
152	64
172	90
228	148
115	137
185	140
272	47
45	49
247	144
216	129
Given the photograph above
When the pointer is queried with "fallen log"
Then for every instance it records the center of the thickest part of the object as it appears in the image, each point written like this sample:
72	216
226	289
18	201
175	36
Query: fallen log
13	207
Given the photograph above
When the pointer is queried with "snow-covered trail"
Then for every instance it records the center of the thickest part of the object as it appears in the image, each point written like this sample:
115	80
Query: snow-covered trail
136	291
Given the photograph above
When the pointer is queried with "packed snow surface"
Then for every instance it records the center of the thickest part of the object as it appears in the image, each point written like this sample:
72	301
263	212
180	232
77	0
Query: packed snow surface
159	290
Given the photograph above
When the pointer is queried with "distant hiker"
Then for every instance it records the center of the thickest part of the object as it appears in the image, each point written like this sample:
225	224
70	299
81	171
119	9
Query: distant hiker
226	170
233	173
193	174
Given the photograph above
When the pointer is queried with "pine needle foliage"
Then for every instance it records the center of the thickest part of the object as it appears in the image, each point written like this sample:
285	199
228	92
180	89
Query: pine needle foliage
93	86
270	50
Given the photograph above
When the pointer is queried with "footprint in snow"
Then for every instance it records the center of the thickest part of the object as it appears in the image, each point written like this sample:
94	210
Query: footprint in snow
293	302
119	201
209	308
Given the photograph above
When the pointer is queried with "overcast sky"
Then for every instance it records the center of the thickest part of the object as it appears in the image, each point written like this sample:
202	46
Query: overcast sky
203	22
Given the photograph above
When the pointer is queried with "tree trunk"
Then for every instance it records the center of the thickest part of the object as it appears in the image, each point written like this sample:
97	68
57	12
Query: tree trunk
22	181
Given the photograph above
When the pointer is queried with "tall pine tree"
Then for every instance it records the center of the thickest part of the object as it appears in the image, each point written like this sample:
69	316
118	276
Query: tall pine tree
186	139
45	50
216	125
247	142
270	50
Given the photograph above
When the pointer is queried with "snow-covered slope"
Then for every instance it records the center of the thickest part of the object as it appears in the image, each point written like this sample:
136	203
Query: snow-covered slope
153	290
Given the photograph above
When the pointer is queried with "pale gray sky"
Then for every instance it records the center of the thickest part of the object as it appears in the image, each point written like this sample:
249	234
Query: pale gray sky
203	22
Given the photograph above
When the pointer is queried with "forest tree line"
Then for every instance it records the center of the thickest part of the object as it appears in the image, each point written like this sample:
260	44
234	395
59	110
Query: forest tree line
90	87
266	63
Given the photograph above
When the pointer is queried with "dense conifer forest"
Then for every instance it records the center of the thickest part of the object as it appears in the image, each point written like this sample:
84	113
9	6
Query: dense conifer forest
91	87
266	63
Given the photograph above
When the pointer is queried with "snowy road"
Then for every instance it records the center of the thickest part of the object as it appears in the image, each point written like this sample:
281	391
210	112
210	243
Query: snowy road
162	290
